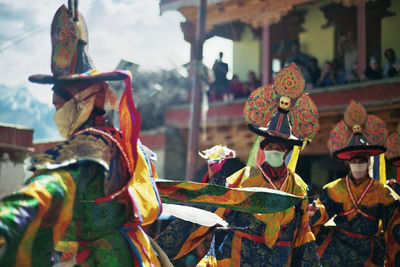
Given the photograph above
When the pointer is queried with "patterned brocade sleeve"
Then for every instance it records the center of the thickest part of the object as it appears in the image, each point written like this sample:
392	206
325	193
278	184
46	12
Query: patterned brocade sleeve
180	237
33	218
304	249
326	209
391	226
321	216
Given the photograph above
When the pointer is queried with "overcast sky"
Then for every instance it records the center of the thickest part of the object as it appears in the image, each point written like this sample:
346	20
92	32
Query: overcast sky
118	29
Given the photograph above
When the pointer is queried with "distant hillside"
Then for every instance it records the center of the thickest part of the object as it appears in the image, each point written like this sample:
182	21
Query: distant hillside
18	106
155	92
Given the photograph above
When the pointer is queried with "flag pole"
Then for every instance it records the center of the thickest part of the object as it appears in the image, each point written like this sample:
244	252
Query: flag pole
195	108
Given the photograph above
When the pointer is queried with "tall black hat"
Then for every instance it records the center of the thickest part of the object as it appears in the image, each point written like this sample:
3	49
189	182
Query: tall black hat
70	61
358	134
282	112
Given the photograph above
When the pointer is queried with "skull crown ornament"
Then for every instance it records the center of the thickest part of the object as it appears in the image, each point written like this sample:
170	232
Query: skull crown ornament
357	128
284	102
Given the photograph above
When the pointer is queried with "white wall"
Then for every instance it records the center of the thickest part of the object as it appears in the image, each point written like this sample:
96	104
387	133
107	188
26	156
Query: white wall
12	175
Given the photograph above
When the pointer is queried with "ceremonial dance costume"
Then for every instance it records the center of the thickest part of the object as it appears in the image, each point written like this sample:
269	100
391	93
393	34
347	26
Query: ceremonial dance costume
89	195
254	239
393	155
358	201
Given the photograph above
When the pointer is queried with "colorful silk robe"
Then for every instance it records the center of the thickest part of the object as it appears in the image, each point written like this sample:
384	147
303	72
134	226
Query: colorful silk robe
274	239
62	206
355	240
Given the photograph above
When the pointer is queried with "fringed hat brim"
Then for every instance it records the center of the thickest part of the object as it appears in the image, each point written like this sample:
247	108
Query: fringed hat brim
395	161
273	138
77	78
352	151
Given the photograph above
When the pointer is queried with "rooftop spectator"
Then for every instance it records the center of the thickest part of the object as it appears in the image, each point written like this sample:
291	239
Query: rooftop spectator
315	71
301	59
327	77
352	76
392	66
253	83
338	71
236	87
347	51
373	71
220	70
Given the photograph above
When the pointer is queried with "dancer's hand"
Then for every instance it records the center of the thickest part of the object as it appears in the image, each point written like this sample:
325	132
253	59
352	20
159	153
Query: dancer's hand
312	208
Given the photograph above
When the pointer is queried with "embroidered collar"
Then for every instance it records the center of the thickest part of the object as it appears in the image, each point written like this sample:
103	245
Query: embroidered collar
357	203
270	180
103	132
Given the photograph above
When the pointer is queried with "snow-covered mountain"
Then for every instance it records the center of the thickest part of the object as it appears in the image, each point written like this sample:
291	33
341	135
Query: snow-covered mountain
18	106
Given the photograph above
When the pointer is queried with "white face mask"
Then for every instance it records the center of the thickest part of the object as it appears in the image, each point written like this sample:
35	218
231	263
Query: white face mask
358	170
274	158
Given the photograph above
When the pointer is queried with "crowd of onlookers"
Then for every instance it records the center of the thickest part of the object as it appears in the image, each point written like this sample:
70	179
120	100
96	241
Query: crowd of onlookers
222	89
341	70
344	68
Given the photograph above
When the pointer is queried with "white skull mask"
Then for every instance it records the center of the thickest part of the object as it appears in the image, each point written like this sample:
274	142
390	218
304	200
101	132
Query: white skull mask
284	102
356	128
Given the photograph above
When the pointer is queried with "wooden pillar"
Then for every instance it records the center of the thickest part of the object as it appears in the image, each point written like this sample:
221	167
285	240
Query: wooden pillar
361	38
266	68
195	108
191	69
189	34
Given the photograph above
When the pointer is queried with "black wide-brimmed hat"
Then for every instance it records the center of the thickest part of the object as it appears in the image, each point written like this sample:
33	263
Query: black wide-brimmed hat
358	134
70	61
275	136
281	112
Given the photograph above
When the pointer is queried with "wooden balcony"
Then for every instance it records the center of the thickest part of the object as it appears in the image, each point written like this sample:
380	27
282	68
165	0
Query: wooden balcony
225	123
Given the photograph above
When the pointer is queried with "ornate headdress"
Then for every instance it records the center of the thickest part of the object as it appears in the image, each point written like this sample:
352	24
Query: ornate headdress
71	65
358	134
70	61
393	148
282	112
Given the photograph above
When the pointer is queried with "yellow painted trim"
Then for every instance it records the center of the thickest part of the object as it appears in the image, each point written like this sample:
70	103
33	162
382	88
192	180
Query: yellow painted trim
294	158
382	168
142	243
44	198
196	237
236	251
66	212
